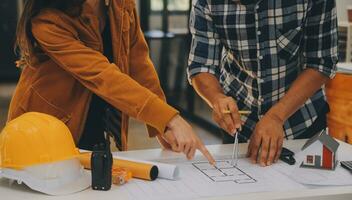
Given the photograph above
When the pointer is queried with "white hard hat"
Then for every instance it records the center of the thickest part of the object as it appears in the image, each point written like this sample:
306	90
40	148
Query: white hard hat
57	178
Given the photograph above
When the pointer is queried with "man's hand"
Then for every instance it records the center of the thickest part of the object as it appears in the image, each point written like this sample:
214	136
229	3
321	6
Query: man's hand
209	88
182	138
230	122
268	137
268	133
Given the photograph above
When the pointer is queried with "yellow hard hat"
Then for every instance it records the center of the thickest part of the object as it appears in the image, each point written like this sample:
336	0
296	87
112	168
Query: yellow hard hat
35	138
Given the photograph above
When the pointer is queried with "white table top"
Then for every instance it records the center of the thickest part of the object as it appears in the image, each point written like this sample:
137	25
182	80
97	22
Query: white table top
19	192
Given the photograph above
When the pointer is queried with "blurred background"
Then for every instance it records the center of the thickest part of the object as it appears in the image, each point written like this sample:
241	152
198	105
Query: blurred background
165	25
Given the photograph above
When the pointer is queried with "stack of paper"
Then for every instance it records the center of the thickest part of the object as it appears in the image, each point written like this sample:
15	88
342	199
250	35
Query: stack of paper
345	68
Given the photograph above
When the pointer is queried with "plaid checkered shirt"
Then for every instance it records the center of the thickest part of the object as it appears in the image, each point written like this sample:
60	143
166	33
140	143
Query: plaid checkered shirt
257	51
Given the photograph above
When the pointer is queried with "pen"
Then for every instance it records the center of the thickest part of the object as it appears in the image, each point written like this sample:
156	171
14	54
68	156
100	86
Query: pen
234	157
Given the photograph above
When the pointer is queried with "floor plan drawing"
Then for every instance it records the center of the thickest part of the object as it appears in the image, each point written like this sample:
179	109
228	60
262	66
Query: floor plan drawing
198	179
224	172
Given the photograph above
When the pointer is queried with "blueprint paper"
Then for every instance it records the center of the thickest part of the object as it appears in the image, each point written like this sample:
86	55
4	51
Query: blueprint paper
224	172
198	179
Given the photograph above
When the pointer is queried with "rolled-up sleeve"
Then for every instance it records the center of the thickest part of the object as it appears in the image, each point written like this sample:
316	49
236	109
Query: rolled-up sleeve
205	47
321	40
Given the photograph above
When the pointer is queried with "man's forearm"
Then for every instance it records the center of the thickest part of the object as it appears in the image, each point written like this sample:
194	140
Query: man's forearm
309	82
207	86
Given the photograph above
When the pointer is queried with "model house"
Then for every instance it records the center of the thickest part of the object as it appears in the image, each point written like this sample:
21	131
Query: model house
320	151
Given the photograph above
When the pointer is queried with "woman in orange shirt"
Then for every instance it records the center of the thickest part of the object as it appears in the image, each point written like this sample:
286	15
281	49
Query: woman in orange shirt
87	63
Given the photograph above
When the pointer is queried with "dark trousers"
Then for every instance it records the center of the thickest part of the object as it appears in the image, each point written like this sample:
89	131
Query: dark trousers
318	125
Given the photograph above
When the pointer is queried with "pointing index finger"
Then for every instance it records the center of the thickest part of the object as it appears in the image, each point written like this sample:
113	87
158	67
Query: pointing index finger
206	153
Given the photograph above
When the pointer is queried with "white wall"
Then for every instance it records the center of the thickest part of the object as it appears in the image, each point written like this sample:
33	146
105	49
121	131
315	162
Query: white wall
342	9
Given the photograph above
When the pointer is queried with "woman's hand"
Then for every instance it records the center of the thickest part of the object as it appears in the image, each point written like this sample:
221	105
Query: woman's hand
163	143
268	136
182	138
230	122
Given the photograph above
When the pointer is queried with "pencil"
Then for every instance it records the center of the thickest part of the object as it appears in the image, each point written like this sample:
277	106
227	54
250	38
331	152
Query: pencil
241	112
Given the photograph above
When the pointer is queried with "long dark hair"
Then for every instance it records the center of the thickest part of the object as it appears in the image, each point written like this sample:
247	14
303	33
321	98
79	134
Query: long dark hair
25	41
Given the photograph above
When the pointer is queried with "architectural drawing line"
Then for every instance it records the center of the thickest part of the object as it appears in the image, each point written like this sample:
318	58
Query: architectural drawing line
222	174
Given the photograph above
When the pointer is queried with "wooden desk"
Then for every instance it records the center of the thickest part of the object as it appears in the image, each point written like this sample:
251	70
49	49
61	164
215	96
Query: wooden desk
339	95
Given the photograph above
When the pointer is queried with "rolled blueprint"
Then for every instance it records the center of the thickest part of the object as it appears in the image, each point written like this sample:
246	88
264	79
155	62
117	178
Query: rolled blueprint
166	171
141	170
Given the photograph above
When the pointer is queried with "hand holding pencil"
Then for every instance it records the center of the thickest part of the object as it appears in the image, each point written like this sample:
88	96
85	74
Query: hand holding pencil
226	114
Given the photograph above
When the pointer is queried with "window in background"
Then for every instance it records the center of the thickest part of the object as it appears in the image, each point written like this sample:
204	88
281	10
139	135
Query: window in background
345	41
178	11
173	5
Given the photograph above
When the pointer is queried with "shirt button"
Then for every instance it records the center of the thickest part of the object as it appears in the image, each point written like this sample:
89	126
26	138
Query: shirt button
258	32
257	7
260	57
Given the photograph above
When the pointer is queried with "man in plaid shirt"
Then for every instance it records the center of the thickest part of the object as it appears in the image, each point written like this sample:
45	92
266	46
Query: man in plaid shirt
271	57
